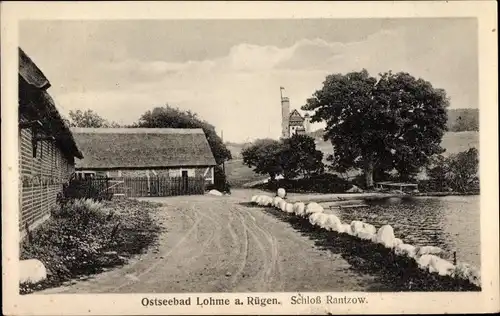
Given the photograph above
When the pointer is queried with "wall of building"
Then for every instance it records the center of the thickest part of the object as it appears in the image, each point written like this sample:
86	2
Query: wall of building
41	178
207	172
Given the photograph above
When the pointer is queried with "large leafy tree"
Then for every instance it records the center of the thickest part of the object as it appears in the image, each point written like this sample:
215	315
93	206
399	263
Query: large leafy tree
292	157
394	121
264	155
299	157
88	118
170	117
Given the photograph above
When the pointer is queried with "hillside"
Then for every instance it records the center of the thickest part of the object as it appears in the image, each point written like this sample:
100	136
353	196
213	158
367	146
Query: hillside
238	173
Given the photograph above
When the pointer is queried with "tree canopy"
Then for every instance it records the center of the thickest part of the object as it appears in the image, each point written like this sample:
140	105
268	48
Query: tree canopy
264	156
299	157
458	172
170	117
292	157
393	121
88	118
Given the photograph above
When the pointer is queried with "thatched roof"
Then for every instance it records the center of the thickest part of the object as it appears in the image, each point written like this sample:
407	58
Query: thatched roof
35	104
31	73
129	148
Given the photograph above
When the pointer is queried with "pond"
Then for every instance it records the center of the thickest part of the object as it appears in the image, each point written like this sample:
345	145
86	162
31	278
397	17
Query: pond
451	222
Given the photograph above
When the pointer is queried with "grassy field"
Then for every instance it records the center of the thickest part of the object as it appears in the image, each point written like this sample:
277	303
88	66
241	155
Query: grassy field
239	174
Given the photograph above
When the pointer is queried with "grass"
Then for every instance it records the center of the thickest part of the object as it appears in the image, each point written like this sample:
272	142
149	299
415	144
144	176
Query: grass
238	174
85	237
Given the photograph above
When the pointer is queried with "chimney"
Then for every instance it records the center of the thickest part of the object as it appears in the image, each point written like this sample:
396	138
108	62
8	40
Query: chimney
285	117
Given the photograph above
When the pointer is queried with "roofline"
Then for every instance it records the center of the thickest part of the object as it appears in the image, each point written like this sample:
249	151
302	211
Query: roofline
134	130
37	71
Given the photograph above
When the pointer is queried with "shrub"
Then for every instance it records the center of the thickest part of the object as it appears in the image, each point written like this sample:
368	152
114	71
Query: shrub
84	236
321	183
456	172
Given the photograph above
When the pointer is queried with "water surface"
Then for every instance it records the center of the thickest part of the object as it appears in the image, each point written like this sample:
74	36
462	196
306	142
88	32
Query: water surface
451	222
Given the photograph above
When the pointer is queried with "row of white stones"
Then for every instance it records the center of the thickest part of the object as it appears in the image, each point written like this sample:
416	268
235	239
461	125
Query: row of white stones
426	257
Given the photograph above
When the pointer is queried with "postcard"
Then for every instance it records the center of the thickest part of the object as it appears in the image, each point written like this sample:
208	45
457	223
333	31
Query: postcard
171	158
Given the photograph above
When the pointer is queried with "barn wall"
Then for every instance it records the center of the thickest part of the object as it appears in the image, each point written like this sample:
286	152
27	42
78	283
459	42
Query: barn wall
41	178
167	172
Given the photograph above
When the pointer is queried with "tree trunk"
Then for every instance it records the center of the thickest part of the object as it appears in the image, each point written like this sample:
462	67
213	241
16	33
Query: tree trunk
368	169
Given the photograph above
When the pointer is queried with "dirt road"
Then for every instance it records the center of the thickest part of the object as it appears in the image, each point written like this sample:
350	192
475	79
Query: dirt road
222	244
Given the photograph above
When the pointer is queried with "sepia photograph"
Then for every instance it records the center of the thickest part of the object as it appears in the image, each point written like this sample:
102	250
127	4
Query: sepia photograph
291	162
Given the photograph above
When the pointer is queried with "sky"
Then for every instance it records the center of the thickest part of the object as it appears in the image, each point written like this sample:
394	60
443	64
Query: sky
229	71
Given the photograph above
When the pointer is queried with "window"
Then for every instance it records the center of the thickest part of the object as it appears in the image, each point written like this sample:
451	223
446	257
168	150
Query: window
190	172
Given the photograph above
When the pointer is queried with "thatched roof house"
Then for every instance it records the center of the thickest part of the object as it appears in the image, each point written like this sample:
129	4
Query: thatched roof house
116	151
47	149
36	105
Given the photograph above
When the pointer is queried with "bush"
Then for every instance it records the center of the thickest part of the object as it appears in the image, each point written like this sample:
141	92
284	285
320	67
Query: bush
320	183
85	236
94	188
454	173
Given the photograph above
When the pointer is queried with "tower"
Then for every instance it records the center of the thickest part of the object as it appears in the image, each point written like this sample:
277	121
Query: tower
285	115
307	123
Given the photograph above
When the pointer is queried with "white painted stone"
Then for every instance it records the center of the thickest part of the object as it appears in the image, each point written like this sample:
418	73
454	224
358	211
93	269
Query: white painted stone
289	208
429	250
313	218
254	199
346	228
365	235
269	201
281	193
276	201
31	271
215	192
333	223
385	236
260	200
406	250
356	226
322	218
299	208
397	242
282	205
313	207
441	266
363	230
369	228
424	262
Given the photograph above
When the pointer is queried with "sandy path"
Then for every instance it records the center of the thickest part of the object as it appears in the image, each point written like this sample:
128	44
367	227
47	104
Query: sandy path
221	244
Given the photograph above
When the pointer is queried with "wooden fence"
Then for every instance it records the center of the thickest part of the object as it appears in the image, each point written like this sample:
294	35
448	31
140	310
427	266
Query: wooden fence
153	186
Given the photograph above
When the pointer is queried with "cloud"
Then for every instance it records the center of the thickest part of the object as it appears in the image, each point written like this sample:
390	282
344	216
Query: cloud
239	92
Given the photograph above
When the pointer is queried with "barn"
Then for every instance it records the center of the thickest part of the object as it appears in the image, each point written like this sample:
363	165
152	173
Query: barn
144	152
47	149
